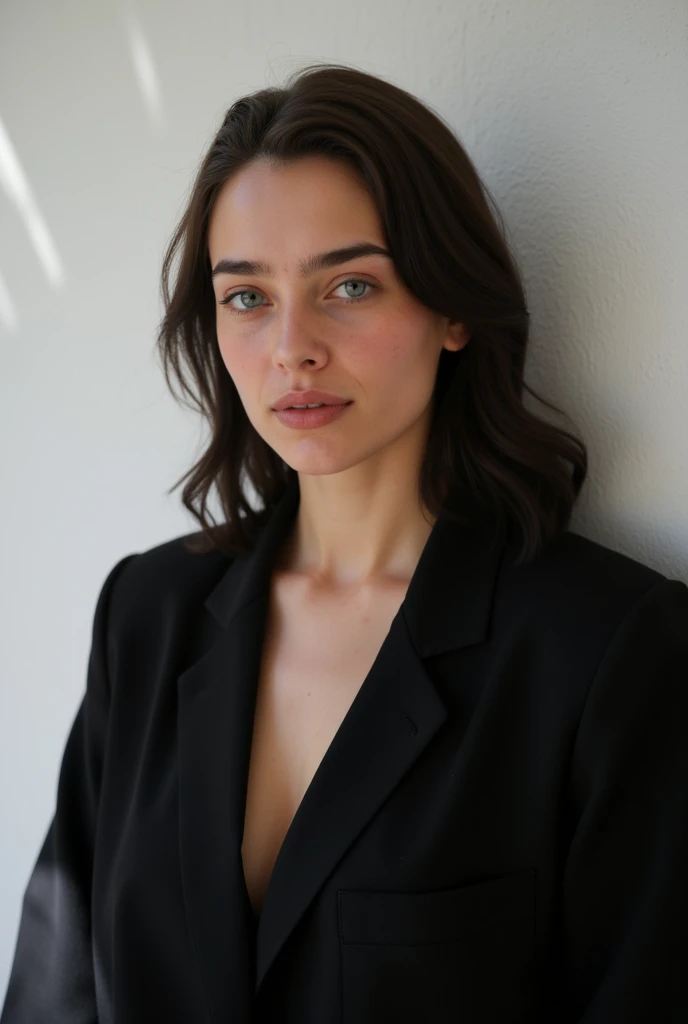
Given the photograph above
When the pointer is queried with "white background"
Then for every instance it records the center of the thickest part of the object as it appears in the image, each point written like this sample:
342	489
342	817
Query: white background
574	112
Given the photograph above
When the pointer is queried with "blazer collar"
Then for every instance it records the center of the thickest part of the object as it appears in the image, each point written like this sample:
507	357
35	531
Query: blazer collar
395	715
448	599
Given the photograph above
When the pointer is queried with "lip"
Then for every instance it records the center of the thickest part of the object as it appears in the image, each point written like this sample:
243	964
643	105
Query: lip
305	419
308	397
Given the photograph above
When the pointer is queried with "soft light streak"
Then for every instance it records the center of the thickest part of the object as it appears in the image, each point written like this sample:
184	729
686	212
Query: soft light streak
145	71
16	185
8	312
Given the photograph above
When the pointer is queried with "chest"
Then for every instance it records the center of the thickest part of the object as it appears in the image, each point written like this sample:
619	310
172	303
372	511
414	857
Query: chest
318	650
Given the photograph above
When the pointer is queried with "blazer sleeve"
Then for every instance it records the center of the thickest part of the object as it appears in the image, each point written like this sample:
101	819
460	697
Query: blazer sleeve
625	888
51	978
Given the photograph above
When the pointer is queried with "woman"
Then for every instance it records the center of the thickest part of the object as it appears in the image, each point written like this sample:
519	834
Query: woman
389	742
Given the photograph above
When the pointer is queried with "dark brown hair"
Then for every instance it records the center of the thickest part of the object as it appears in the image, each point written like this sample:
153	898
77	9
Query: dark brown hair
486	454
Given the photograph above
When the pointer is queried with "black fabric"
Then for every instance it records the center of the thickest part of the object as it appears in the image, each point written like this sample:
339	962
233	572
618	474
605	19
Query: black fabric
497	833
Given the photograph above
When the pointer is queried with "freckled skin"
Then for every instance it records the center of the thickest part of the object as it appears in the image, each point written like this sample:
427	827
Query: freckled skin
382	352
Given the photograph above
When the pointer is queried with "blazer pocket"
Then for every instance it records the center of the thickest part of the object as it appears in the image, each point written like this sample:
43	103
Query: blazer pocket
440	955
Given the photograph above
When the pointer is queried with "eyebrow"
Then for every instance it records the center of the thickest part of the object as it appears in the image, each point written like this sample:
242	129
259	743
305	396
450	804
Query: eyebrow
309	265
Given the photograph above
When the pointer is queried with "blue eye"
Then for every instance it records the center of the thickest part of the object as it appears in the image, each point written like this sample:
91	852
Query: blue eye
226	301
251	291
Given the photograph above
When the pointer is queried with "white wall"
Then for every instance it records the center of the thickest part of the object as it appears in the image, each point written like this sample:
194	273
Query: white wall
574	112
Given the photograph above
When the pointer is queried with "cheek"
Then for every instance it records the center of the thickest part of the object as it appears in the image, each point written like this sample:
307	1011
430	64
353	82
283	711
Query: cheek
240	361
398	362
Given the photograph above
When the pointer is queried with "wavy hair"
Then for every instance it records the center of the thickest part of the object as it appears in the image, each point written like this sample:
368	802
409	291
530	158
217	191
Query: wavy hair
486	454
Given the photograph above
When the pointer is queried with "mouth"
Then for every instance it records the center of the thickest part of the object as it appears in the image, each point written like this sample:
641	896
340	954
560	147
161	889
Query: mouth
316	405
311	416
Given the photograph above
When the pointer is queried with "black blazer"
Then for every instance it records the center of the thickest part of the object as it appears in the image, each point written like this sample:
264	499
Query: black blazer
497	833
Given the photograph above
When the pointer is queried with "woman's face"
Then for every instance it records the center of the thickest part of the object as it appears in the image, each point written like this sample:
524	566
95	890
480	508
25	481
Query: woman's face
351	328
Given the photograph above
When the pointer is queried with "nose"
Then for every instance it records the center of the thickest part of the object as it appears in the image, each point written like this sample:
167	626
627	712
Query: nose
296	344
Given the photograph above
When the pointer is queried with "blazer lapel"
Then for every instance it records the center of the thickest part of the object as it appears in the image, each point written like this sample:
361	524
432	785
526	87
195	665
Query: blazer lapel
395	714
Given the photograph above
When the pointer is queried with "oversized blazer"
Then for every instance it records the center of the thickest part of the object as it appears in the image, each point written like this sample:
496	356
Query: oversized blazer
498	832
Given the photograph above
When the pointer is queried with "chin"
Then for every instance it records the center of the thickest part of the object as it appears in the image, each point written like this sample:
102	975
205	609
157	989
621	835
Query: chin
308	461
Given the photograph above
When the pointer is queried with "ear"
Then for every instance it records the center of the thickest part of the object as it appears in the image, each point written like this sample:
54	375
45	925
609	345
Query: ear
458	335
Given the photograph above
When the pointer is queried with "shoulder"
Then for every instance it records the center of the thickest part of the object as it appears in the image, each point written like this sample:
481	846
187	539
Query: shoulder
164	580
580	562
575	568
575	594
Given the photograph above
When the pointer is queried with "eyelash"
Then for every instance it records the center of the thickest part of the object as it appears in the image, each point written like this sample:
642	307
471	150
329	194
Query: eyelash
242	291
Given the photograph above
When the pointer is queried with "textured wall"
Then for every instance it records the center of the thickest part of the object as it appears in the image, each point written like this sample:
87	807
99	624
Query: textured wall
575	114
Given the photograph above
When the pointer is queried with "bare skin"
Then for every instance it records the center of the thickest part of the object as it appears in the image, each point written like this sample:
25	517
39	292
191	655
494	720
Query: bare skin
360	527
319	648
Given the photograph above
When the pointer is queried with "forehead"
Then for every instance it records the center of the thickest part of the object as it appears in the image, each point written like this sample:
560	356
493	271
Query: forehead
298	207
